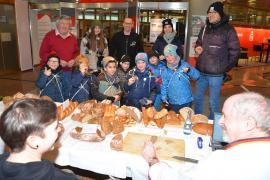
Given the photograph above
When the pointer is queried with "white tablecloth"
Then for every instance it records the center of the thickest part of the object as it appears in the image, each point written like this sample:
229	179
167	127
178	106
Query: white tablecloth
99	158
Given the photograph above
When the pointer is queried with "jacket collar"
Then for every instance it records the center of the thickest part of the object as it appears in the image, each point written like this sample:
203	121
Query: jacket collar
265	140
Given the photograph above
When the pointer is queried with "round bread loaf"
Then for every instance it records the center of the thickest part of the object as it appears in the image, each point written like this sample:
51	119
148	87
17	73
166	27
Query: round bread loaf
199	118
184	112
203	129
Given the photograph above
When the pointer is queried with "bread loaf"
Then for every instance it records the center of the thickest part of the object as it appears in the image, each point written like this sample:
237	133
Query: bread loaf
184	112
203	128
117	142
199	118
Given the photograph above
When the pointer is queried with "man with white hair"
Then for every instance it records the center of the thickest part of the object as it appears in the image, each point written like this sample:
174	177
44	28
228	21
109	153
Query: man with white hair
246	124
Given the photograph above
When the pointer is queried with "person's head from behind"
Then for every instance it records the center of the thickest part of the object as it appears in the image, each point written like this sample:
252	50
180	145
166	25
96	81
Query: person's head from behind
63	24
109	65
171	54
153	59
81	64
141	61
167	26
29	124
125	62
245	115
215	12
127	24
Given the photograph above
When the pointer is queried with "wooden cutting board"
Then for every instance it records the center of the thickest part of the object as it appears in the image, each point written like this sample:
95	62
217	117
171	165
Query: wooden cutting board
166	147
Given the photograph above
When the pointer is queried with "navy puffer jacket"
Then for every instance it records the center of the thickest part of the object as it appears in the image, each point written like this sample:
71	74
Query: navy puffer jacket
221	48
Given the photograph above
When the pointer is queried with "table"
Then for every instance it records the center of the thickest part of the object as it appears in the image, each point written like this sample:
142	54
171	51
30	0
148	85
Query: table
99	158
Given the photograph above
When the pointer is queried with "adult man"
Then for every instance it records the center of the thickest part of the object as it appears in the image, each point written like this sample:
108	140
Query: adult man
62	42
246	124
126	42
218	49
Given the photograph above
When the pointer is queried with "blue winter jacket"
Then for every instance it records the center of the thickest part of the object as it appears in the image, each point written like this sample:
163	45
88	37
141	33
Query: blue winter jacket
55	86
143	87
80	87
157	69
176	88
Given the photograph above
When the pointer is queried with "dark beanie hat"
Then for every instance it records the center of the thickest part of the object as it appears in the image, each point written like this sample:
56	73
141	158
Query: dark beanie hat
167	22
218	7
125	58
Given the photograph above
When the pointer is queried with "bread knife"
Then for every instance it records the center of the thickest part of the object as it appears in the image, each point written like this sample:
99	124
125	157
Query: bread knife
181	158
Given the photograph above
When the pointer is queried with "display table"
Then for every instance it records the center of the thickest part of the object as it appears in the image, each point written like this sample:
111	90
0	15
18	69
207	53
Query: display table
98	156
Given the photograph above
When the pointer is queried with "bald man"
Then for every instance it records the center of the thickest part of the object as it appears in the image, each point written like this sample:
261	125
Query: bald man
246	124
126	42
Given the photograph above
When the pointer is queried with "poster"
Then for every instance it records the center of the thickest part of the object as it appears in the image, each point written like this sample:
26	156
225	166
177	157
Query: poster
44	25
197	23
155	29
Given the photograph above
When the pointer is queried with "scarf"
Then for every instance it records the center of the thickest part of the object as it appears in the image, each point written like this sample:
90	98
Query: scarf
169	37
174	66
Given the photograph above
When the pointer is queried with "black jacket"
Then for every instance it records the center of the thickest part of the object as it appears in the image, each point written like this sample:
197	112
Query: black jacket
160	43
221	48
125	45
41	170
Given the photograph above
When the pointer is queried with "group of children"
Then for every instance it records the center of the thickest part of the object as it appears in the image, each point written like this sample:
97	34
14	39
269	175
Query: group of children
150	82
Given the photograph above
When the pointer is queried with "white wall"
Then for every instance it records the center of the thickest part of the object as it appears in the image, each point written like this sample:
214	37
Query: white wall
23	34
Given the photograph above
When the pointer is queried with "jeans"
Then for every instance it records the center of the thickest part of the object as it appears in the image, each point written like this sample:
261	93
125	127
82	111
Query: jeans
177	107
157	102
214	83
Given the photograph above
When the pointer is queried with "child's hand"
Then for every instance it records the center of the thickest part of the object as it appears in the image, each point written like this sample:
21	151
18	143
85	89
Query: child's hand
63	63
159	80
161	57
83	69
132	80
185	70
47	72
116	98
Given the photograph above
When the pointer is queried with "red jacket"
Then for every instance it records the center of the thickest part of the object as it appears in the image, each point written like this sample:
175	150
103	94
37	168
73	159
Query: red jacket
67	49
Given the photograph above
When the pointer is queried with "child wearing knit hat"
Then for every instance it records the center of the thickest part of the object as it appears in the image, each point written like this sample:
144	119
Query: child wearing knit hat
176	90
140	83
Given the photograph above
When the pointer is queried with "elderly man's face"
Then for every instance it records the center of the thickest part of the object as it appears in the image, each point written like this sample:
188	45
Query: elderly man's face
213	17
63	26
233	125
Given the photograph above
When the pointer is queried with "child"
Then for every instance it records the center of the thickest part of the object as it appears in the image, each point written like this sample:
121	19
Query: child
176	90
81	80
107	85
141	83
122	73
29	128
51	81
156	67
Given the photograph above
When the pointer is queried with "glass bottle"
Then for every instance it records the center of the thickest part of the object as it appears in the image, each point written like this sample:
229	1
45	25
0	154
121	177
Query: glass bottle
188	124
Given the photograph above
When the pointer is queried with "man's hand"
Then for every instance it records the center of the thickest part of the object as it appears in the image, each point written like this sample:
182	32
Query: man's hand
70	63
47	72
63	63
149	152
199	50
185	70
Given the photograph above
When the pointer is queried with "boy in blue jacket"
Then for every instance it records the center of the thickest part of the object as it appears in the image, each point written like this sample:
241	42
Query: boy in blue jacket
176	89
141	83
51	81
81	80
156	67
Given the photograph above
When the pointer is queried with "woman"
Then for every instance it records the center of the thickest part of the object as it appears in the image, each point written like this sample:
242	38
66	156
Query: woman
94	45
29	128
168	36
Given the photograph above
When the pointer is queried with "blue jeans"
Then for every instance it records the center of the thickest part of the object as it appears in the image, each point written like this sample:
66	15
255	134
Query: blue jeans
177	107
157	102
214	83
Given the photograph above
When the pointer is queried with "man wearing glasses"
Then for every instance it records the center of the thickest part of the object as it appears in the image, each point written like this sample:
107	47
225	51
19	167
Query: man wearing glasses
126	42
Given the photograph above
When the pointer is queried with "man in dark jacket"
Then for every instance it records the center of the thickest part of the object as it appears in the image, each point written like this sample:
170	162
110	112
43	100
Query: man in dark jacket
218	49
126	42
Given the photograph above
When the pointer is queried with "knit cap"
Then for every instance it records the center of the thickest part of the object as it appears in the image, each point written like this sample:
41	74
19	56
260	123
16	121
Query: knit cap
170	49
141	57
108	59
218	7
167	22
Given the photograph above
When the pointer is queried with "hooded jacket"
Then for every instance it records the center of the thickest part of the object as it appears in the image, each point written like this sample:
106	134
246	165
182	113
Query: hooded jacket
221	48
176	88
40	170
